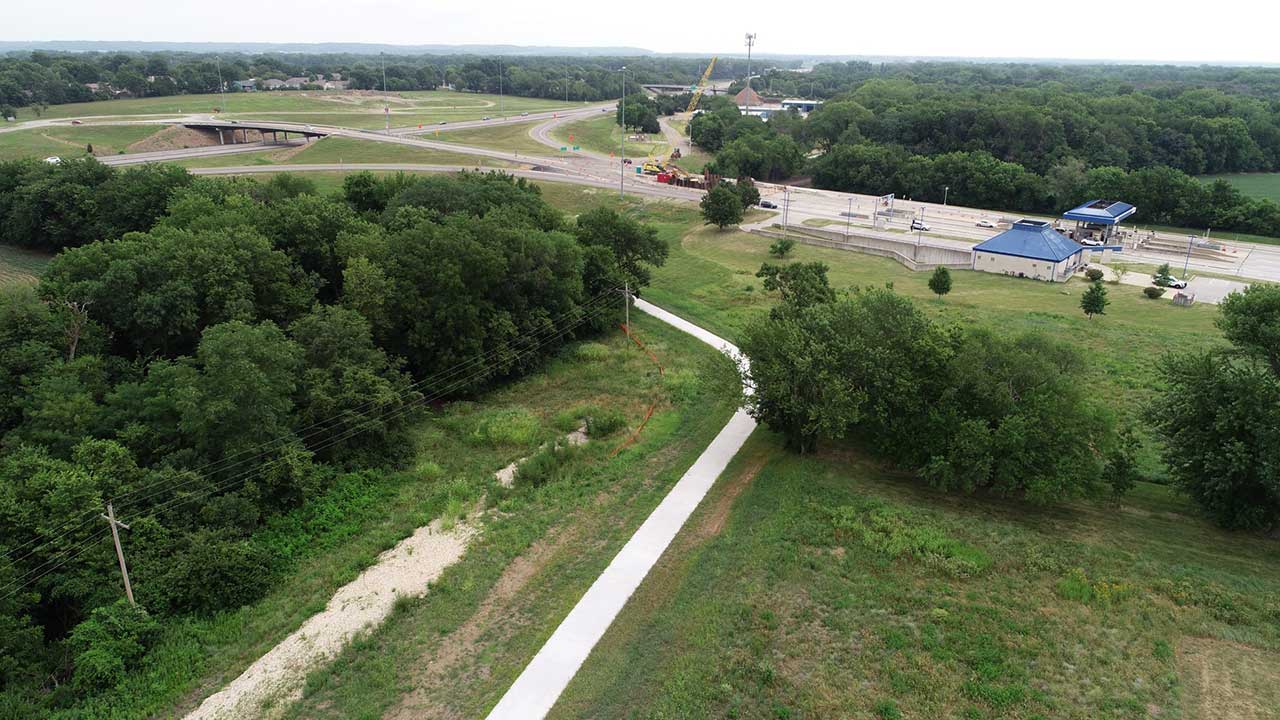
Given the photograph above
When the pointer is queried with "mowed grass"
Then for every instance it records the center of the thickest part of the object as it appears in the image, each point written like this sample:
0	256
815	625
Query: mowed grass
602	135
832	587
1260	185
453	652
72	141
710	279
457	449
511	138
353	150
21	267
350	109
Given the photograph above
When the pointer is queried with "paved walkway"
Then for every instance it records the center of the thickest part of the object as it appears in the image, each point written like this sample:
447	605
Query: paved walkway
535	692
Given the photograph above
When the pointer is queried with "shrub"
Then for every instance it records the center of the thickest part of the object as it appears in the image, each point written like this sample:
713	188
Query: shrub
605	422
109	643
782	247
1094	274
591	352
546	465
1153	292
900	533
515	426
1076	585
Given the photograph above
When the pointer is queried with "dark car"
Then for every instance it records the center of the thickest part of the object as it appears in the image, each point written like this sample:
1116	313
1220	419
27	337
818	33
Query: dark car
768	205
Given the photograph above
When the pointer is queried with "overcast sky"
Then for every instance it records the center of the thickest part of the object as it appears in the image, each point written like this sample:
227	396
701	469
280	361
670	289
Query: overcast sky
1223	30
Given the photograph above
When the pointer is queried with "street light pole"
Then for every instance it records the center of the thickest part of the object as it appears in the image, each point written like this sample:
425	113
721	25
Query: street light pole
1190	239
848	218
622	145
945	190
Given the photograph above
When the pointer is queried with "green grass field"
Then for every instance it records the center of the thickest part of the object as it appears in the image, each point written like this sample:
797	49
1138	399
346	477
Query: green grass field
802	588
72	141
20	267
511	138
602	135
347	150
1260	185
341	108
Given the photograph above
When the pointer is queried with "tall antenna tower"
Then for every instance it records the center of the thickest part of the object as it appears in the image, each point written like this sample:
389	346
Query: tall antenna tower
751	41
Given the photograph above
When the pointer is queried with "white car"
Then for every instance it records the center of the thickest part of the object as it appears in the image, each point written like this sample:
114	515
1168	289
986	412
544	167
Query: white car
984	223
1177	284
524	114
1091	242
53	160
918	225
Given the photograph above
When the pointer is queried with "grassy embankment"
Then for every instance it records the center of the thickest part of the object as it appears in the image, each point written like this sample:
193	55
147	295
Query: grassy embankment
602	135
509	138
72	141
834	586
20	267
334	150
1260	185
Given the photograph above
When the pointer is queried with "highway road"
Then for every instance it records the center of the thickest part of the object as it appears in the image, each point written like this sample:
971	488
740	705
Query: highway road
950	225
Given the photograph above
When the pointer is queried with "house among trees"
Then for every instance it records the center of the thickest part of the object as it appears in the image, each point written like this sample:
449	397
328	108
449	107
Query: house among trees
1031	248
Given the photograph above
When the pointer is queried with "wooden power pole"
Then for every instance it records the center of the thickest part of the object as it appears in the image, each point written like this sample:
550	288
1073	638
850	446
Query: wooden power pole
110	517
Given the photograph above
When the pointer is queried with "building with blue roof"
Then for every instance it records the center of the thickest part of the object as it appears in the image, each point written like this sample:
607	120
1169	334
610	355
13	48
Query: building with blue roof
1031	248
1098	220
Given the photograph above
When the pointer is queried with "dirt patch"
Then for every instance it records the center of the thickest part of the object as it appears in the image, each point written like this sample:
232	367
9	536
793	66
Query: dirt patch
440	666
1228	681
718	513
174	137
269	684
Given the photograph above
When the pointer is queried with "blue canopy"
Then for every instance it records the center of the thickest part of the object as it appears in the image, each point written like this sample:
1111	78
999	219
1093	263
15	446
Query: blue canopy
1034	239
1101	212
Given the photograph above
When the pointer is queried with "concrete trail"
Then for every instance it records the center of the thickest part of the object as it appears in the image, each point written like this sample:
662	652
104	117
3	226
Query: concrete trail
538	688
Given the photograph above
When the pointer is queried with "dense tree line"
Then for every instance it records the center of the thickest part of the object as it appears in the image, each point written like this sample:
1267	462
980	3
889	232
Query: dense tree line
928	142
233	351
1219	414
40	78
968	409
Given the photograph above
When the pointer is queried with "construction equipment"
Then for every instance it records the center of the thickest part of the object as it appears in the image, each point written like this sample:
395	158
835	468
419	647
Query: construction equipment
702	85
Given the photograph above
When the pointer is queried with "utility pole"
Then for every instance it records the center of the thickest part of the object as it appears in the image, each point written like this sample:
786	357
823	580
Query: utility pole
751	41
622	146
110	517
222	88
626	303
386	106
786	207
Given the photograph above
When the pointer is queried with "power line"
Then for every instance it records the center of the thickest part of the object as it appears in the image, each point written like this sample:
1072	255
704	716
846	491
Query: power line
301	434
40	571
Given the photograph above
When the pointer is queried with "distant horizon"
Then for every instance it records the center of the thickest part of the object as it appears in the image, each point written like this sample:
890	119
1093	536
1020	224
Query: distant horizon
551	50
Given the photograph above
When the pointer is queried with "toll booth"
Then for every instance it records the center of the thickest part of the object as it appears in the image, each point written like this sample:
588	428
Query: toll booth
1098	221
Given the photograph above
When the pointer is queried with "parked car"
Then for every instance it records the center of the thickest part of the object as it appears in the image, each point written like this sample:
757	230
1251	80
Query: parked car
919	225
984	223
524	114
486	117
77	122
1091	242
444	122
768	205
1177	284
53	160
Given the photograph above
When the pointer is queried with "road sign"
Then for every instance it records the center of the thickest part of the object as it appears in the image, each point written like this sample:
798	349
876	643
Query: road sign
575	147
563	148
571	137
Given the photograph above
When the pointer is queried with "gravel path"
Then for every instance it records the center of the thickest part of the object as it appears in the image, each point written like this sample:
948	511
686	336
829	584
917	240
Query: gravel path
276	679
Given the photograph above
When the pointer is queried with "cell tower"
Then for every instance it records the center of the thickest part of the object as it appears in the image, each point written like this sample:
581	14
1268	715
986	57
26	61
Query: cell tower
751	41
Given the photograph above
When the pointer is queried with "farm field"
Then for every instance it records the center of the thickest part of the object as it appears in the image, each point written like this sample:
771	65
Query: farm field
602	135
20	267
1260	185
68	141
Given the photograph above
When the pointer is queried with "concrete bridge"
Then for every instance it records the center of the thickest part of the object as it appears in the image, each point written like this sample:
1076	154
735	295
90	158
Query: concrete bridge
234	132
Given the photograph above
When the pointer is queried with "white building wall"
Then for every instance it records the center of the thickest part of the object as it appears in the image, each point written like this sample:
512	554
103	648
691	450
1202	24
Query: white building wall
1024	267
